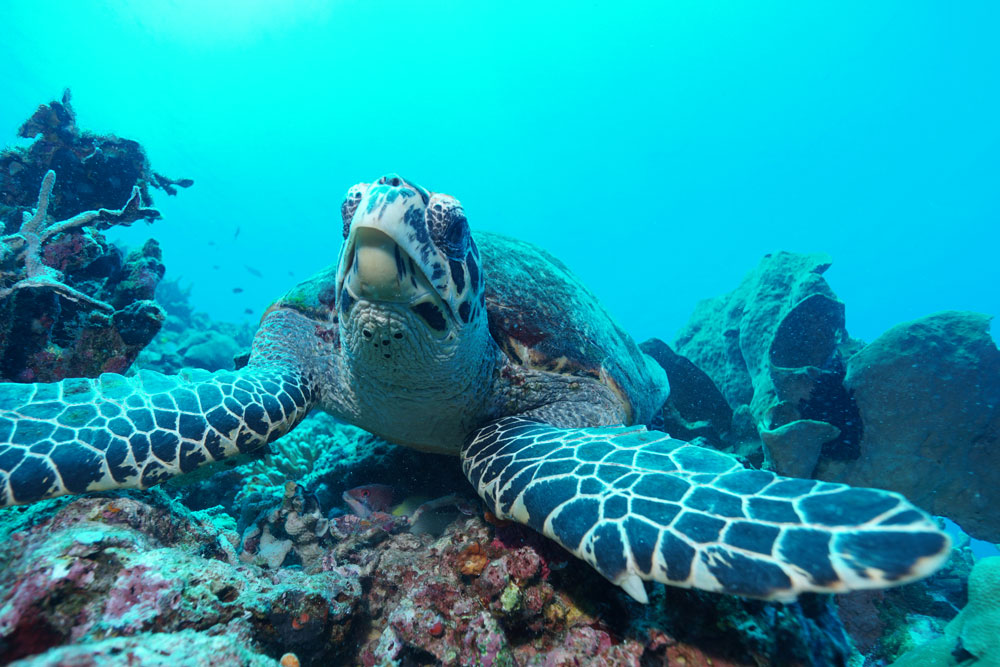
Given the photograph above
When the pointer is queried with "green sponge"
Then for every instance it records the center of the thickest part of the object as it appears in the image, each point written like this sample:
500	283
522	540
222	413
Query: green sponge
973	637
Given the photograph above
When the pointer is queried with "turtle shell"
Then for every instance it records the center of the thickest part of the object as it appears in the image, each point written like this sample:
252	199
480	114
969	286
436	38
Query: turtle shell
315	297
543	317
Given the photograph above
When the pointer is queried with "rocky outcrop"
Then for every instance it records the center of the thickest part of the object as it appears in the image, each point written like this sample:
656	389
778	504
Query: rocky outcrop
775	347
80	570
85	578
71	304
928	392
695	408
917	411
95	170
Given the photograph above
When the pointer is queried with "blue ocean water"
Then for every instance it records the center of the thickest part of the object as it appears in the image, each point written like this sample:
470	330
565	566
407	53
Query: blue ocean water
660	149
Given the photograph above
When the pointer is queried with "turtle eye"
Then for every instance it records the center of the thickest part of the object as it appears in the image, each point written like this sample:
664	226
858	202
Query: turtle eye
447	226
456	236
452	236
351	201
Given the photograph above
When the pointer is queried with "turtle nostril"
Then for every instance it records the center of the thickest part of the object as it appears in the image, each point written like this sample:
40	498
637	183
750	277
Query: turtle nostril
366	333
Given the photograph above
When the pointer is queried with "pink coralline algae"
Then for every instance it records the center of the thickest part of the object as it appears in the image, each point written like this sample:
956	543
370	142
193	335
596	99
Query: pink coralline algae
85	577
94	568
136	597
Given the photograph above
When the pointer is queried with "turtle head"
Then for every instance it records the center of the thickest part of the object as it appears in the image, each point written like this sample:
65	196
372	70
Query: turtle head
408	267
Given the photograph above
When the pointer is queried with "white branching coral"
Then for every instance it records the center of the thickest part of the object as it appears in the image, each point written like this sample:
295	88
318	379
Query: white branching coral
21	264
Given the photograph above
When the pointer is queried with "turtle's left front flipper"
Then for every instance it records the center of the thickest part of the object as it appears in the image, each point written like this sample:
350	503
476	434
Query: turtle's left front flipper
639	505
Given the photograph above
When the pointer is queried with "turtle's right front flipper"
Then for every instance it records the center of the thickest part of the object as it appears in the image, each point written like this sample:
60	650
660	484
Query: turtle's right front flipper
134	432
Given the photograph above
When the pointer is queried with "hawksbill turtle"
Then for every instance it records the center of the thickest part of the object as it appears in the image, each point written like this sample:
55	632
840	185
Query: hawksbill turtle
490	349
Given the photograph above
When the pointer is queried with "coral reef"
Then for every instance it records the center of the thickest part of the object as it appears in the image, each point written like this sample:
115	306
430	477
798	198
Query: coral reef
325	458
70	304
258	564
186	647
191	339
318	449
111	566
50	327
483	594
94	170
82	578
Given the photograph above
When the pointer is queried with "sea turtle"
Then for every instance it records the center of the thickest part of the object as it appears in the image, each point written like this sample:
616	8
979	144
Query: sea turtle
489	349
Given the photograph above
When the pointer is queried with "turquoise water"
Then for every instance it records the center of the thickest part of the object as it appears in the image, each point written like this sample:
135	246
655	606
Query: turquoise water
660	149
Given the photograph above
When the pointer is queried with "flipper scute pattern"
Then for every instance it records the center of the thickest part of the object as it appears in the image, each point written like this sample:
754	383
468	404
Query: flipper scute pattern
640	505
113	432
86	434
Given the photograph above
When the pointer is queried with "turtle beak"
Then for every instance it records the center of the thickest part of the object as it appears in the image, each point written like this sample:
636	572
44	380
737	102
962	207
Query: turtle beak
380	270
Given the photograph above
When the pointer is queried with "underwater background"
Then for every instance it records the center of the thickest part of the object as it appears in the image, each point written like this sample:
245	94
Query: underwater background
667	152
659	149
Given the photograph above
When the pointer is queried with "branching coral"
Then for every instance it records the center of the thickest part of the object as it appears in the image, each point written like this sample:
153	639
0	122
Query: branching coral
94	169
295	456
21	264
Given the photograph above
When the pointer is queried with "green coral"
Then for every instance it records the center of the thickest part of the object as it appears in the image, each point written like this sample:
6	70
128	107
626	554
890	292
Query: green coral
297	456
510	599
973	637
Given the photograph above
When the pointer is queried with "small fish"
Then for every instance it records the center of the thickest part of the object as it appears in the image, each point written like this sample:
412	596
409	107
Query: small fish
215	266
237	290
248	311
252	271
236	234
211	243
370	498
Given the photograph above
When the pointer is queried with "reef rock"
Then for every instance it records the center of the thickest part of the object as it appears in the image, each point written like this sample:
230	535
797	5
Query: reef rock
68	303
928	392
124	573
481	595
917	411
179	649
94	170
